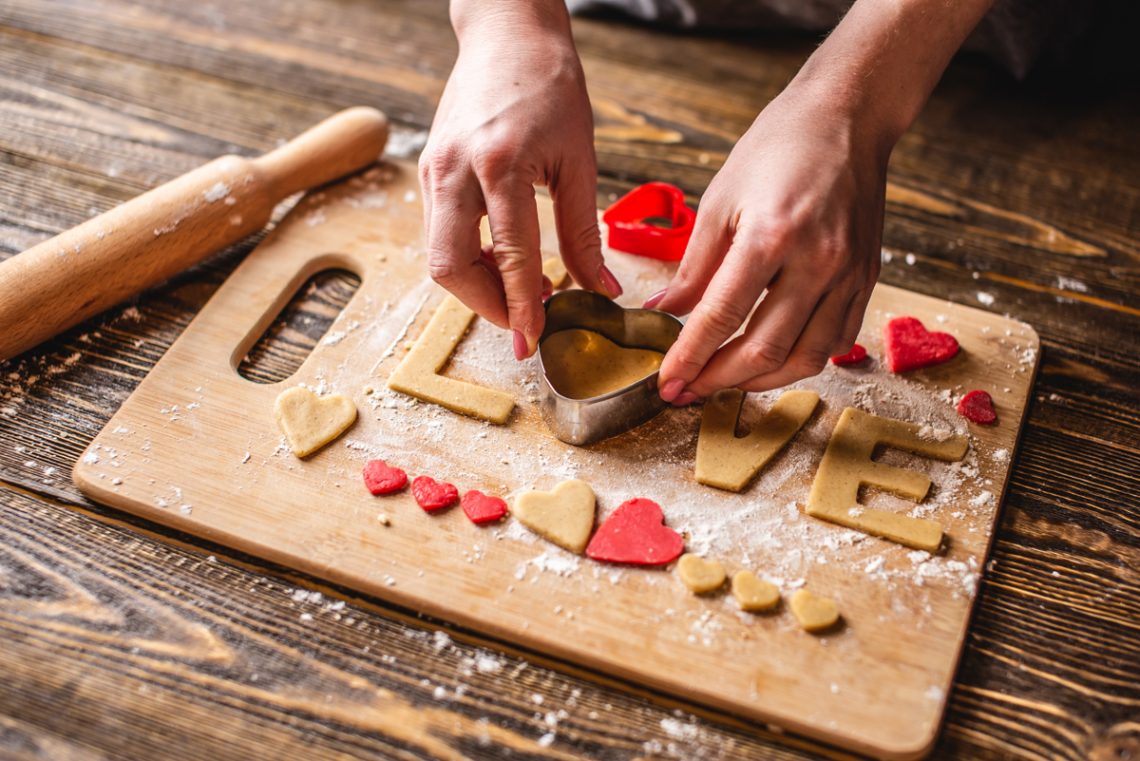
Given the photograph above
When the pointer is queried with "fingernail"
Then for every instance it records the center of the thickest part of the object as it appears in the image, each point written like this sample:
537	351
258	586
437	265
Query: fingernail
685	399
671	389
522	351
609	282
655	299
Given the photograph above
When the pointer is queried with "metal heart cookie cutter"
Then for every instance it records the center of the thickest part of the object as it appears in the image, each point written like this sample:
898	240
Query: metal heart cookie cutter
584	421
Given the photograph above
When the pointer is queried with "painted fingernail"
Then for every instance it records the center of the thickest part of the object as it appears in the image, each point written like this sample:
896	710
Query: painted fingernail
671	389
609	282
655	299
521	348
685	399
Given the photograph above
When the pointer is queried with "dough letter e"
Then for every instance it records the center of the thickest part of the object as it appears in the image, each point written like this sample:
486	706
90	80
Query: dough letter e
847	465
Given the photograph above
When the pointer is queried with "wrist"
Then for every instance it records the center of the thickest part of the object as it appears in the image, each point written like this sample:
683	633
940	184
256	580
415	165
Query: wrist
510	21
880	64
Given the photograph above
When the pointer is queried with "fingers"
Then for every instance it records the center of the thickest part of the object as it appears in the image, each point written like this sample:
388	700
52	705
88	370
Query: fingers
707	248
769	339
729	297
574	191
853	322
453	207
513	216
815	346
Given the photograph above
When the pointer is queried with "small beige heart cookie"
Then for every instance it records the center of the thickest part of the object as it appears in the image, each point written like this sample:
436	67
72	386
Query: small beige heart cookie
310	421
814	613
698	574
753	594
564	516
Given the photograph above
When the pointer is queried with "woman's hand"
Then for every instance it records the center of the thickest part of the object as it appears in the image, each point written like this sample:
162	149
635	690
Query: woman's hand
797	211
514	114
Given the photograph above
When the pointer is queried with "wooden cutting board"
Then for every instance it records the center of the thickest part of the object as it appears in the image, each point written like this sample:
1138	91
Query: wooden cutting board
196	447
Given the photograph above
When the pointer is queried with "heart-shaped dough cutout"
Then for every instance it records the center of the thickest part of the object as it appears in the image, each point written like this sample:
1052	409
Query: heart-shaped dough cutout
908	345
582	364
310	421
564	516
636	534
754	594
700	575
977	406
814	613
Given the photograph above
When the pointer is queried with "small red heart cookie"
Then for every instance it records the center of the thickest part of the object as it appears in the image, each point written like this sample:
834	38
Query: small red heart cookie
636	534
908	345
978	407
433	495
382	478
857	354
482	508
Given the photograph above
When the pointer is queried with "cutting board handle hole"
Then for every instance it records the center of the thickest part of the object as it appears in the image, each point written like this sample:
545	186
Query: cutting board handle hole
300	325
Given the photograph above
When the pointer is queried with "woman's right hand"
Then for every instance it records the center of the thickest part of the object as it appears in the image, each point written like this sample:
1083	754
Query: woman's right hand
514	114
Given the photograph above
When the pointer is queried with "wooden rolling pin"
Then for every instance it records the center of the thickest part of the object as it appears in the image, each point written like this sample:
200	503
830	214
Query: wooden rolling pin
146	240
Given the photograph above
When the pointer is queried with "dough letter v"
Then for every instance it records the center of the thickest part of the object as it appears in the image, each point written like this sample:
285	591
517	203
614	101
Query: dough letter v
728	462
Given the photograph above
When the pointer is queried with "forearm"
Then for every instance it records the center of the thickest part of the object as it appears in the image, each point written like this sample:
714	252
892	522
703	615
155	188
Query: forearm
882	61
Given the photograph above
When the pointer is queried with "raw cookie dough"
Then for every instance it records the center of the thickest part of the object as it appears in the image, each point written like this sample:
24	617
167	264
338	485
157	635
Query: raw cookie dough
310	421
753	594
847	465
813	613
418	373
728	462
564	516
581	364
700	575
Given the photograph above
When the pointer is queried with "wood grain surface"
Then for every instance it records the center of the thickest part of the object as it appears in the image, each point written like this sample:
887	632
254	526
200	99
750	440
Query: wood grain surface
125	640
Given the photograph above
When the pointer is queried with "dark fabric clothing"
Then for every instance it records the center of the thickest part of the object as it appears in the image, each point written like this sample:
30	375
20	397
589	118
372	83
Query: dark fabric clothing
1015	33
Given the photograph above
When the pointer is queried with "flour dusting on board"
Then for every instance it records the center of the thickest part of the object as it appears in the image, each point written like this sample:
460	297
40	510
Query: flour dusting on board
755	529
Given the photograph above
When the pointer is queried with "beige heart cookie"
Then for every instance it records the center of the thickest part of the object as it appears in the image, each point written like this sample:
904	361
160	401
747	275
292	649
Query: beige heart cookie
814	613
753	594
564	516
310	421
700	575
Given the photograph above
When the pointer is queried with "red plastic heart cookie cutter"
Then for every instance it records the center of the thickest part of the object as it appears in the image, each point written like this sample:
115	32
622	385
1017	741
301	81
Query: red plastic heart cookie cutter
631	230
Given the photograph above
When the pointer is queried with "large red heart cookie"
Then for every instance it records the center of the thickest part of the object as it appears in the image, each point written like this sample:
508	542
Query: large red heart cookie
908	345
433	495
636	534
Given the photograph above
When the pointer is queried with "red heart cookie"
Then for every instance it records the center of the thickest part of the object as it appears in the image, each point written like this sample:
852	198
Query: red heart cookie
482	508
908	345
978	407
857	354
636	534
382	478
433	495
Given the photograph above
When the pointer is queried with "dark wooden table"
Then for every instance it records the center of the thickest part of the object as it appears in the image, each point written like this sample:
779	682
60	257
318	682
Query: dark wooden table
121	639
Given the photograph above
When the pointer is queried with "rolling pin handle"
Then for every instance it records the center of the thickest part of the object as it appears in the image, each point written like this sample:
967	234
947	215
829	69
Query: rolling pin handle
337	146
